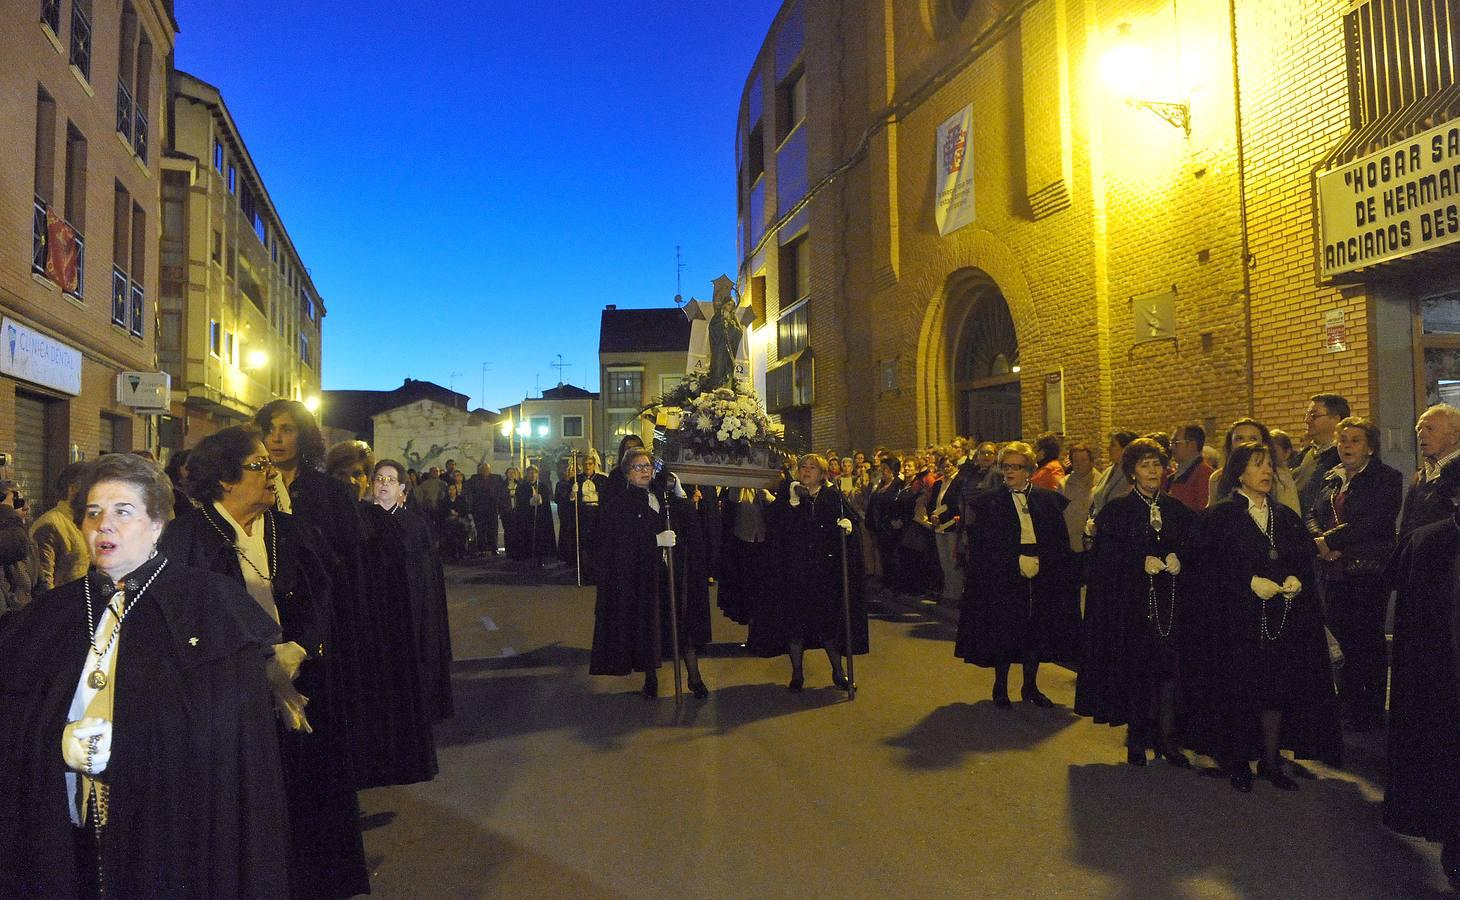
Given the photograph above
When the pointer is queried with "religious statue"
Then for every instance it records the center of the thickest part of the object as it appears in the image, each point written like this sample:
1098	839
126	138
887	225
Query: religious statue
726	332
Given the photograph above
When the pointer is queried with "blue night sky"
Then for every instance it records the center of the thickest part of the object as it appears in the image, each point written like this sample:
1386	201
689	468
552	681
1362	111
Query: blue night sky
473	184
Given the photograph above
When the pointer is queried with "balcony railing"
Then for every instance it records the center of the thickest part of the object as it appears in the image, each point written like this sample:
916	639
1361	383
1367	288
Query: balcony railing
80	41
51	14
124	111
39	238
139	133
119	296
138	303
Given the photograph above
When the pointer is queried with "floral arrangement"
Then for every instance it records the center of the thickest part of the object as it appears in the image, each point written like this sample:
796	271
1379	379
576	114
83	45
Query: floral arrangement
727	423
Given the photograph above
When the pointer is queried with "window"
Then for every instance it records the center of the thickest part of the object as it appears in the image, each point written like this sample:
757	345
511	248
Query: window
668	383
541	426
620	423
306	305
791	331
45	176
218	155
75	177
790	103
81	37
138	298
66	263
217	246
215	337
126	69
572	426
625	389
142	89
228	355
121	254
232	179
756	151
51	15
795	272
304	356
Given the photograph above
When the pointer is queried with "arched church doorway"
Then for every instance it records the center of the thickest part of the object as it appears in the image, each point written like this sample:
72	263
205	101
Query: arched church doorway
985	359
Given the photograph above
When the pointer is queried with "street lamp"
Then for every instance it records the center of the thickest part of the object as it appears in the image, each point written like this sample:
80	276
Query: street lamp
312	404
256	359
1126	69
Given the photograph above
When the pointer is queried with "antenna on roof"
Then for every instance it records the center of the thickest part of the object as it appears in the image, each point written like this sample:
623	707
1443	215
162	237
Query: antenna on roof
560	366
678	276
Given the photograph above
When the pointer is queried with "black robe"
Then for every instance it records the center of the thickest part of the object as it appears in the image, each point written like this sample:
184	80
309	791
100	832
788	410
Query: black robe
744	589
631	628
536	522
516	534
1125	654
326	853
197	806
807	574
1007	618
567	533
589	515
1423	794
1238	672
429	620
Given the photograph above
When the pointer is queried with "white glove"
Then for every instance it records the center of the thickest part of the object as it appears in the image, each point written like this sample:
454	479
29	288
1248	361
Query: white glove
845	525
1265	588
287	657
1173	565
1090	527
289	705
1291	587
76	741
1154	566
1028	566
664	538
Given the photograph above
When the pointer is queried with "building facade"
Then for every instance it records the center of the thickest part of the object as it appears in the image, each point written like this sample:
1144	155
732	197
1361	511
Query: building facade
1002	218
85	86
560	421
239	316
641	357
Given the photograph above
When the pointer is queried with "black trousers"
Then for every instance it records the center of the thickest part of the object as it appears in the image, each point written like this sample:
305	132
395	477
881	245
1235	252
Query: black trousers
485	519
1356	607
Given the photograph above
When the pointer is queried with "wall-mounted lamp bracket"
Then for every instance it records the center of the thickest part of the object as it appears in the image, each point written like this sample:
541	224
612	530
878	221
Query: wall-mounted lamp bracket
1177	114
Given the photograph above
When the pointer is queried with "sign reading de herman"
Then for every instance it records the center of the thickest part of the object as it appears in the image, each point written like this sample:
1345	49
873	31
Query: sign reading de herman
1400	201
31	356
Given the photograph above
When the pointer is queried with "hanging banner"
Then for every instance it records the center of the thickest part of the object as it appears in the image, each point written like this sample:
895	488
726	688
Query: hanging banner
1396	202
954	204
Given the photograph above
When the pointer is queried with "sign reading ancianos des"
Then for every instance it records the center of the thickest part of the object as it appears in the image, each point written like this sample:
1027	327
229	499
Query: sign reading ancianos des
1400	201
31	356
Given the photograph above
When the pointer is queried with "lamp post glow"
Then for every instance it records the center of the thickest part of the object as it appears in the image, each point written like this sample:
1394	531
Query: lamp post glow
256	359
1126	69
312	404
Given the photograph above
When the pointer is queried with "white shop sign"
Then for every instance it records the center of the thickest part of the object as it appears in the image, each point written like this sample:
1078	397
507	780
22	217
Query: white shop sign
1400	201
31	356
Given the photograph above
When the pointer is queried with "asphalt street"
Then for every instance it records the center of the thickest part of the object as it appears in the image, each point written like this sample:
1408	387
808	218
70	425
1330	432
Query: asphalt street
557	784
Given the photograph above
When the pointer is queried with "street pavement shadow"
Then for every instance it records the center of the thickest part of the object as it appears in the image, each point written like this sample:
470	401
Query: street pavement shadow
934	630
952	732
554	655
1165	832
738	705
407	861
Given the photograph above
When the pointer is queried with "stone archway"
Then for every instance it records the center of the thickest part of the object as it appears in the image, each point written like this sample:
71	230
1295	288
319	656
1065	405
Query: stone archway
982	310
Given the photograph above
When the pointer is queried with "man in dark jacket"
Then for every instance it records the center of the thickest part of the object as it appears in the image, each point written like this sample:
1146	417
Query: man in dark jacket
1438	435
483	490
17	553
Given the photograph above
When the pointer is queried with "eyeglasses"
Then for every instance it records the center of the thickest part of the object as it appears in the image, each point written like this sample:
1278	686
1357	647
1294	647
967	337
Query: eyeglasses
1013	467
641	467
259	465
386	479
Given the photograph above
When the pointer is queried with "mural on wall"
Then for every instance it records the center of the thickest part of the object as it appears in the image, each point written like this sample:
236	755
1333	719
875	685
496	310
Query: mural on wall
427	433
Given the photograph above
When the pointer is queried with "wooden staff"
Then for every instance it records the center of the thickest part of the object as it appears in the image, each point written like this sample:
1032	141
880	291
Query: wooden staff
847	619
577	517
673	606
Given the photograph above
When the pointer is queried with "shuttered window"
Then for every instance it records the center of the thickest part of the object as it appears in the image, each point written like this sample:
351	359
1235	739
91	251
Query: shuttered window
29	466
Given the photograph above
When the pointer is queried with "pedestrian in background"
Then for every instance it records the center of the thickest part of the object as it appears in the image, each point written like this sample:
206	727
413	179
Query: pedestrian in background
483	490
17	553
60	549
1079	490
1112	482
1049	473
1319	456
1191	481
1438	434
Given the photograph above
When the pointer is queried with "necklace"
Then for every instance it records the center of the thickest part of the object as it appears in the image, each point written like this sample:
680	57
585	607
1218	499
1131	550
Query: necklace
1272	550
1267	633
97	678
273	535
1154	504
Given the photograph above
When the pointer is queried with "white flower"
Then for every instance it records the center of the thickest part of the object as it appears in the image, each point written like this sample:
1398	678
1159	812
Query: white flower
722	434
750	429
704	423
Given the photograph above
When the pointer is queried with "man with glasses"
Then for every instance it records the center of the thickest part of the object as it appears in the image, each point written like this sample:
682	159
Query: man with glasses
1315	460
1189	484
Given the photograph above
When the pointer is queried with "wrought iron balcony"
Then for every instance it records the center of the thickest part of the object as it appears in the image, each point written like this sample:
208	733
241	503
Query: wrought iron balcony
124	111
138	304
139	133
119	296
80	41
39	238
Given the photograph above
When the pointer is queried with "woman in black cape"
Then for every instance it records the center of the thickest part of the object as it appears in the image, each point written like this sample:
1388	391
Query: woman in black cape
631	629
516	533
1017	605
533	504
427	587
563	500
744	587
195	804
1136	610
616	479
810	525
1268	681
1422	798
591	490
326	853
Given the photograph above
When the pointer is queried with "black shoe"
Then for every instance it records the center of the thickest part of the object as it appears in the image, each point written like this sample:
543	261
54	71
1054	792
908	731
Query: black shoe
1174	757
1036	697
796	683
1136	756
1001	700
650	690
842	682
699	690
1275	774
1242	779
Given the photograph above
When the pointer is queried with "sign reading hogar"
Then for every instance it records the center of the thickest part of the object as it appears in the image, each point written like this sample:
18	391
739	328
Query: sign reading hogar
1391	204
31	356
